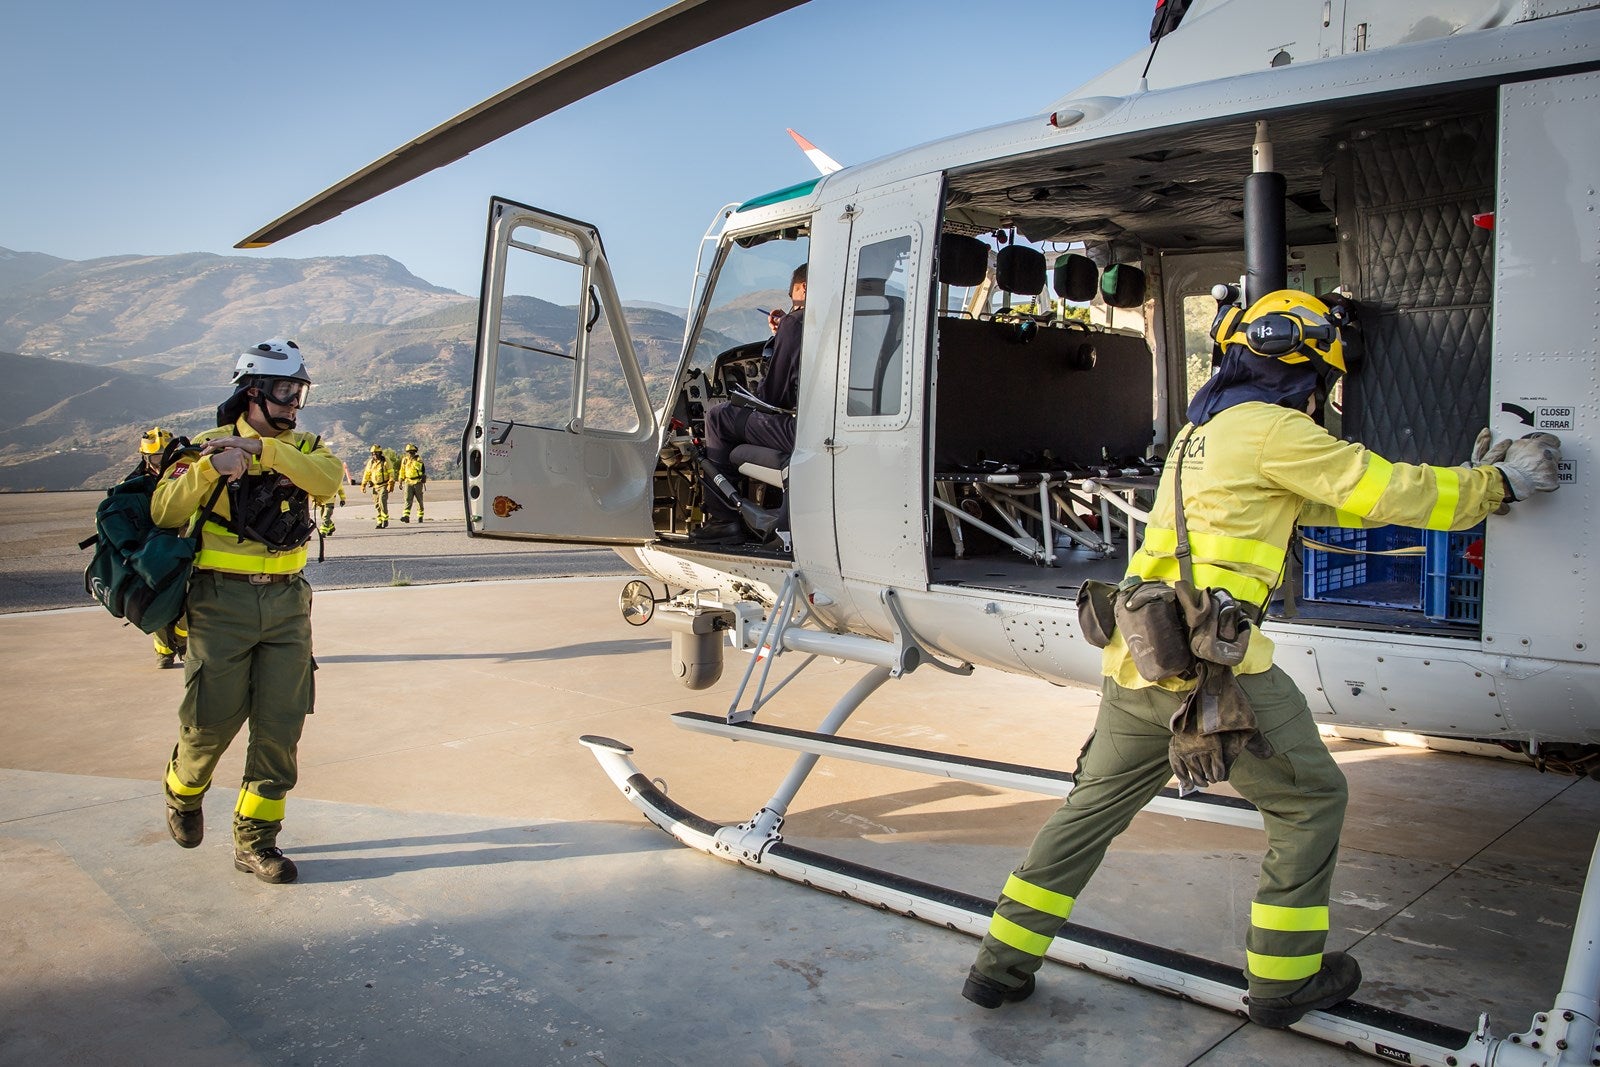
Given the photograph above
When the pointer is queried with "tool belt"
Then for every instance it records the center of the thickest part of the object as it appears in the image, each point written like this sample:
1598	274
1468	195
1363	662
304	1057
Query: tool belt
255	579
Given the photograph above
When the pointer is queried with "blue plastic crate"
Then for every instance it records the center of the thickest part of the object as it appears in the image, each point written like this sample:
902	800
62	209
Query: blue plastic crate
1371	580
1455	581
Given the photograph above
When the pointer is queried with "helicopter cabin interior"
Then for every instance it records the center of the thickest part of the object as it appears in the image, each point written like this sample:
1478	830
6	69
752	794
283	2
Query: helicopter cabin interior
1071	373
1069	329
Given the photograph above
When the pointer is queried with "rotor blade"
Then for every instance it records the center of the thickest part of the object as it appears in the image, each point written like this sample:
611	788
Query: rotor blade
668	33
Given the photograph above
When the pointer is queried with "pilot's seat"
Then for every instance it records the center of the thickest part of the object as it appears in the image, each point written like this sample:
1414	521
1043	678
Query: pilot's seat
767	469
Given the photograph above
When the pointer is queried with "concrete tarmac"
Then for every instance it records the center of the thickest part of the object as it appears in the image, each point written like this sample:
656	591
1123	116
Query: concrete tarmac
474	890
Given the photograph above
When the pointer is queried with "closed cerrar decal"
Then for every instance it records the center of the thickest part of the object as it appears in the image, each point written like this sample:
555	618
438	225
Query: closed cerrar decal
504	506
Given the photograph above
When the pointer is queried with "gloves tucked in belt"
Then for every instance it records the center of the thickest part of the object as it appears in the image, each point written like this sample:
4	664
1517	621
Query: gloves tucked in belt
1212	726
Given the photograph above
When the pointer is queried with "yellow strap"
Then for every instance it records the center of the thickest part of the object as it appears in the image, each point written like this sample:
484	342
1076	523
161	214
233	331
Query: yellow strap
179	789
264	809
1289	920
1346	550
1020	938
1444	508
1364	497
1282	968
1038	898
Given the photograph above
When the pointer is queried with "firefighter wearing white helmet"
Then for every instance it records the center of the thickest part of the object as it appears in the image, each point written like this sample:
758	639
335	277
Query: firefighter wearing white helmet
413	475
1252	462
249	606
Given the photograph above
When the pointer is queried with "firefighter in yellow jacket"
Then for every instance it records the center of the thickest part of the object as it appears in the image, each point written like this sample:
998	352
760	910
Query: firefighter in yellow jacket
377	477
413	475
1252	462
249	607
171	642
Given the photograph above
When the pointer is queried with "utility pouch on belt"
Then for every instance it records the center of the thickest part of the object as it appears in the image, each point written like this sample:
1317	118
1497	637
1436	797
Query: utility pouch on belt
1096	614
1152	624
1219	626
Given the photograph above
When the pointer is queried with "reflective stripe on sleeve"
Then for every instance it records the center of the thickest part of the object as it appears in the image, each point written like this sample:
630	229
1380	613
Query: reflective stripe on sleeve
264	809
1038	898
1275	917
1020	938
1444	508
1282	968
1364	497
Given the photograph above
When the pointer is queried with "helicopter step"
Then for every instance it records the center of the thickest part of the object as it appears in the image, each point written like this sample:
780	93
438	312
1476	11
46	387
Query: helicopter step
1394	1037
1207	807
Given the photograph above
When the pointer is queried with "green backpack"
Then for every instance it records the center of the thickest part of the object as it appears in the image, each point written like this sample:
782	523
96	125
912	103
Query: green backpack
140	571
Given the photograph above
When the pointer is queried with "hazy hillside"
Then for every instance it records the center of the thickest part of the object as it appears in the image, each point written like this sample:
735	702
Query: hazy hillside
99	350
176	310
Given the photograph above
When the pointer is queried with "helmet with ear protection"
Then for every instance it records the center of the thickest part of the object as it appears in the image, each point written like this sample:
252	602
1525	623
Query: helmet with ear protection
1287	325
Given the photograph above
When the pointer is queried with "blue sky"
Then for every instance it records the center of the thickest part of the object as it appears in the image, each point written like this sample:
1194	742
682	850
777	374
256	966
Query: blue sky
181	126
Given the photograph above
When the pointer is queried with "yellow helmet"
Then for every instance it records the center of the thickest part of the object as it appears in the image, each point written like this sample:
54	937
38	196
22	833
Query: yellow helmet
411	448
154	441
1288	325
377	450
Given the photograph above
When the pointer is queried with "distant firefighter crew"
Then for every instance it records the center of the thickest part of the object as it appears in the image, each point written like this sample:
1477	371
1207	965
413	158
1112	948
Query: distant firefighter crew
413	475
249	606
377	477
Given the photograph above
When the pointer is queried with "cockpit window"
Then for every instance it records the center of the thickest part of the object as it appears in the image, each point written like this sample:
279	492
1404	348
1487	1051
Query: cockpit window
751	281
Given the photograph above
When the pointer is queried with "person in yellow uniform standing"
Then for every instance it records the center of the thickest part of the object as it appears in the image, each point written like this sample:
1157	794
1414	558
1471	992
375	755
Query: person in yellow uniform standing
325	506
1252	462
249	606
413	475
171	642
378	478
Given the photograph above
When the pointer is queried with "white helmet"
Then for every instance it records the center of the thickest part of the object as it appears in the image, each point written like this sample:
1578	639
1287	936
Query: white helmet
276	358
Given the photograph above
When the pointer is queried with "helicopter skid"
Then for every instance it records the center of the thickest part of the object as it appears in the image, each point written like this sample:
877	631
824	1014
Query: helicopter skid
1390	1036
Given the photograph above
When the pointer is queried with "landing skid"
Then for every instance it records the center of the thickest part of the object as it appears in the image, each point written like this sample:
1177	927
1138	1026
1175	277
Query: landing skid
1565	1035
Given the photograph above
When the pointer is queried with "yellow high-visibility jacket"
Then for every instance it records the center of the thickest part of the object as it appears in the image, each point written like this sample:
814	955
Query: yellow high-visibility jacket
1250	475
190	481
412	471
377	472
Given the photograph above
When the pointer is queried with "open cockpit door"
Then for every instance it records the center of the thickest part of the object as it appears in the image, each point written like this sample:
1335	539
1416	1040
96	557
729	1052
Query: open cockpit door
562	444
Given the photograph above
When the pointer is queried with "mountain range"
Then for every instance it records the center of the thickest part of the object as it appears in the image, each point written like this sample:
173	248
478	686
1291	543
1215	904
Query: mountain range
96	351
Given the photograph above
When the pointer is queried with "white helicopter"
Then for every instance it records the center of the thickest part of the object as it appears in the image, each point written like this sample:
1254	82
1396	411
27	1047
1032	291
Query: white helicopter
978	430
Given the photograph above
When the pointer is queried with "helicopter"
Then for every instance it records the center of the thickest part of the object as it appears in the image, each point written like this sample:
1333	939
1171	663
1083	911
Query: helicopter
1000	335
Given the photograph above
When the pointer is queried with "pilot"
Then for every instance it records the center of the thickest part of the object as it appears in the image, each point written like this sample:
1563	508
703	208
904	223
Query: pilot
249	607
728	425
1252	460
171	642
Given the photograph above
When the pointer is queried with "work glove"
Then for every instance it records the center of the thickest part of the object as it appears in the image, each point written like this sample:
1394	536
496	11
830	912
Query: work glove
1211	727
1530	465
1486	450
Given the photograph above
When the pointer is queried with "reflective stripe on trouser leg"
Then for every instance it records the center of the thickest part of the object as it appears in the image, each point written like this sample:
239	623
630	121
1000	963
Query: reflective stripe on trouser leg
281	698
1301	794
1114	780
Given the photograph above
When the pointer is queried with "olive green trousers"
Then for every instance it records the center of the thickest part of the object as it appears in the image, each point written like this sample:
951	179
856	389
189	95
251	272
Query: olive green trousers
249	661
1300	792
